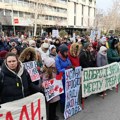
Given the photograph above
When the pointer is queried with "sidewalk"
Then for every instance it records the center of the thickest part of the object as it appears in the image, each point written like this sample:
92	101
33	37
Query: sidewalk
97	108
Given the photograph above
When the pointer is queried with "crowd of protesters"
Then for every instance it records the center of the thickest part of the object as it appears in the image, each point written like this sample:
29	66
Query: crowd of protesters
53	56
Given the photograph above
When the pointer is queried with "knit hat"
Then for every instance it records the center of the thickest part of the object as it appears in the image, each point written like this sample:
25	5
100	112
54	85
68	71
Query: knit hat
32	43
63	48
48	61
51	47
103	40
45	45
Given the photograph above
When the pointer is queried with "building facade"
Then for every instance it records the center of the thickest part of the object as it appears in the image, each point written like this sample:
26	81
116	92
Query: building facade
47	14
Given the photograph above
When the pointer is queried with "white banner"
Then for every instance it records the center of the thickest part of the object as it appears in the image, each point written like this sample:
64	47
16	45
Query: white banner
99	79
29	108
72	86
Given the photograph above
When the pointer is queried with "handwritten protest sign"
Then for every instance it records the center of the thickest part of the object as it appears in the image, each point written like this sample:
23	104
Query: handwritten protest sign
53	88
72	86
29	108
96	80
31	67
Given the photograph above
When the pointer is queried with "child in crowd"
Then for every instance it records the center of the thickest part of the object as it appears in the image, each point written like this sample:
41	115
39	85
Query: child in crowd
49	72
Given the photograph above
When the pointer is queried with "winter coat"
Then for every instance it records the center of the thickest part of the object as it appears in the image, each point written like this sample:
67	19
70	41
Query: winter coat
112	53
44	78
101	60
87	59
23	55
52	56
14	86
4	46
61	66
33	57
74	58
44	54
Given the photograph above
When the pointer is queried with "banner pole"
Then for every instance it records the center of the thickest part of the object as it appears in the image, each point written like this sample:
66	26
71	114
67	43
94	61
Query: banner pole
117	88
83	103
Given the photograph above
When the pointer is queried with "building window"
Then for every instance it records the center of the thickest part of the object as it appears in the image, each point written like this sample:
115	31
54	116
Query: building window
46	17
21	14
7	1
15	13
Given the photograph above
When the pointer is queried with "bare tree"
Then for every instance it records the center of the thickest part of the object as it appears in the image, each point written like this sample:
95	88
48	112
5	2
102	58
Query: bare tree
109	20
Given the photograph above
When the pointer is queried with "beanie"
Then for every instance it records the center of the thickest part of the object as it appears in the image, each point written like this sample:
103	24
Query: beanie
48	61
63	48
45	45
51	47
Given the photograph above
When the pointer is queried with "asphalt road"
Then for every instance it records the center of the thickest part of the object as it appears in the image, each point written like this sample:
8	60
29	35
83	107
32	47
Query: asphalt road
97	108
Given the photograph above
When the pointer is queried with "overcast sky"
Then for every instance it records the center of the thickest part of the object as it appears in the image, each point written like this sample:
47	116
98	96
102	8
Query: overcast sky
104	4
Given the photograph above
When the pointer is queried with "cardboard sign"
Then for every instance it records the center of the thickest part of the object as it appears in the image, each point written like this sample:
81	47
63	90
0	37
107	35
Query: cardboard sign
99	79
53	88
31	67
29	108
72	86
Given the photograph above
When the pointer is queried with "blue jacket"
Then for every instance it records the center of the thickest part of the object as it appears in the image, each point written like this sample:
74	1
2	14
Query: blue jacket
4	46
61	66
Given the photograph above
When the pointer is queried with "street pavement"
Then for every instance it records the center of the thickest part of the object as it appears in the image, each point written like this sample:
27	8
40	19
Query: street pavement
97	108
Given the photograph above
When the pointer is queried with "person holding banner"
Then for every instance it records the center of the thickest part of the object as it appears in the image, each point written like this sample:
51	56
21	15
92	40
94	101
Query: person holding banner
15	81
49	72
102	61
112	52
62	63
87	59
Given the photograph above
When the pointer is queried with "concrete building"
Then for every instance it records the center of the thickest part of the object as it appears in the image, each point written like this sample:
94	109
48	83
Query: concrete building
21	15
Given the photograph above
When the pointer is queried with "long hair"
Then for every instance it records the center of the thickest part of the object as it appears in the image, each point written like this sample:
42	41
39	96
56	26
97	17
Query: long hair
49	71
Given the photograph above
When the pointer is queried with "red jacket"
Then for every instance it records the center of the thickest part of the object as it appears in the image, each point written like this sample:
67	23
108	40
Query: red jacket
74	60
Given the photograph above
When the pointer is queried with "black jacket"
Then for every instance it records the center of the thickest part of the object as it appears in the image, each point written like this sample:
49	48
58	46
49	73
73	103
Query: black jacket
15	86
87	59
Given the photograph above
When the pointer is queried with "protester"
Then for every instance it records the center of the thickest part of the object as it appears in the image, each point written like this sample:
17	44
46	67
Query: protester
15	82
74	54
2	56
62	63
28	54
49	72
102	61
87	59
3	45
112	52
53	52
44	50
57	44
14	50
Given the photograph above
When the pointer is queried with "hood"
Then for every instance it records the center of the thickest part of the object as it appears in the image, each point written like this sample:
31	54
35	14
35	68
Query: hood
73	48
11	73
112	42
23	55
